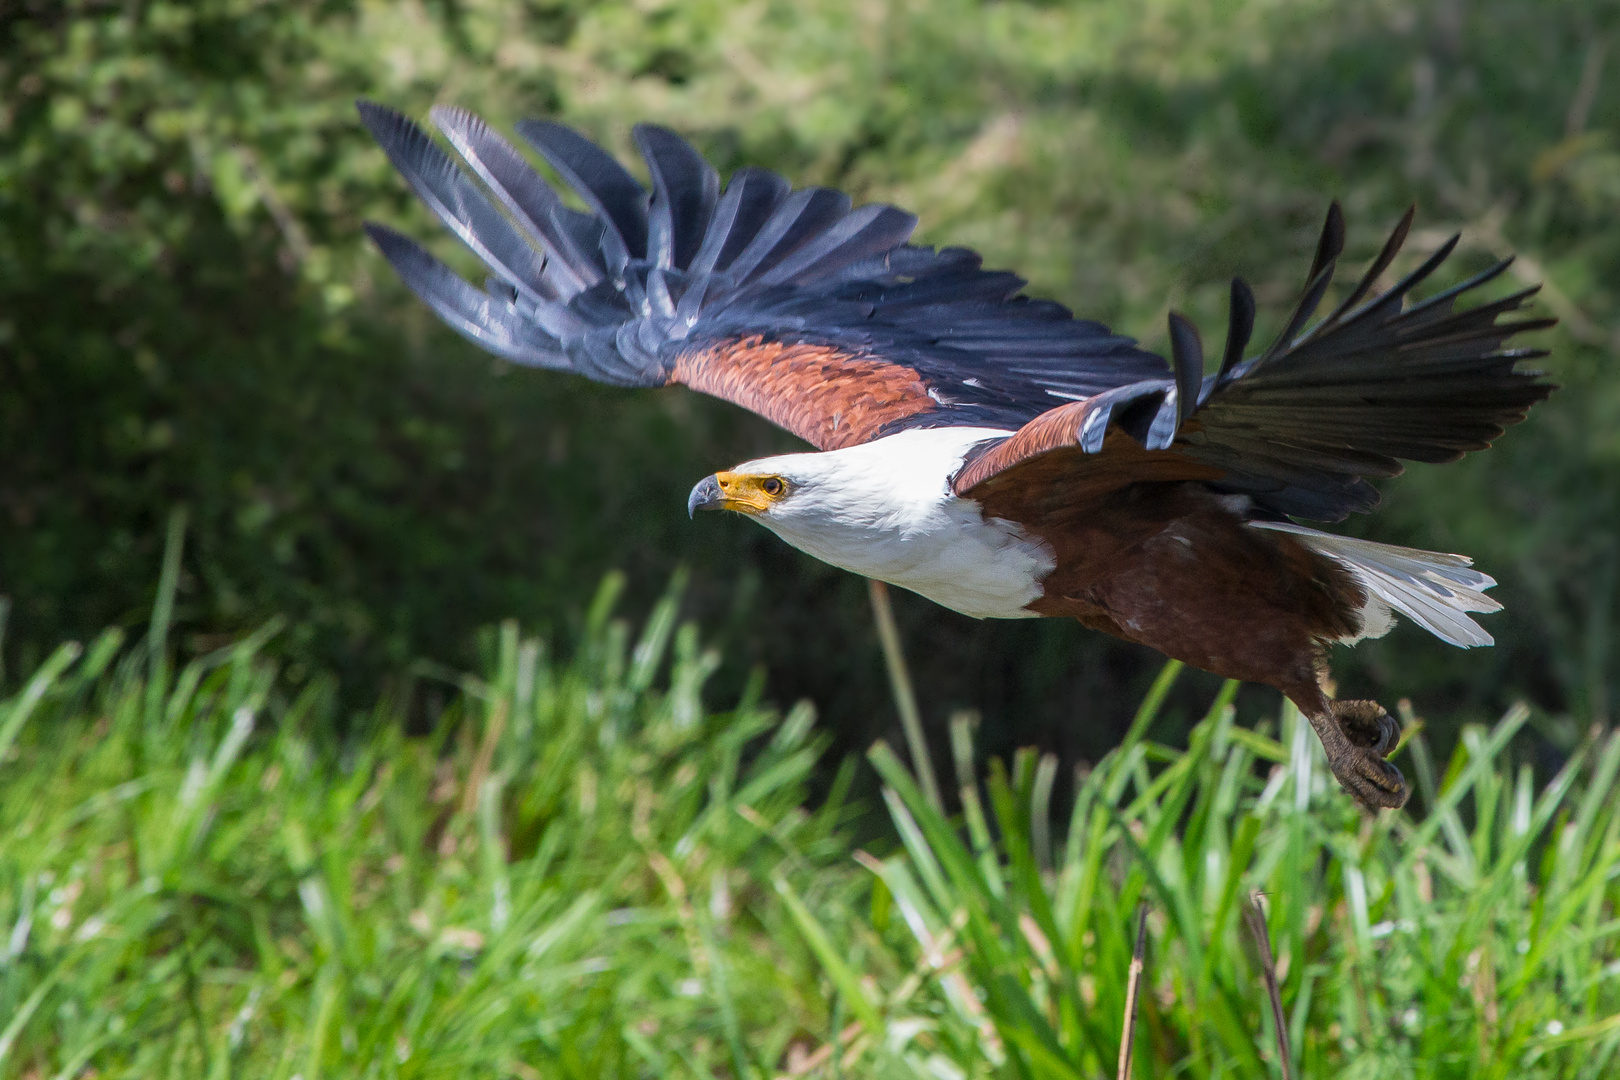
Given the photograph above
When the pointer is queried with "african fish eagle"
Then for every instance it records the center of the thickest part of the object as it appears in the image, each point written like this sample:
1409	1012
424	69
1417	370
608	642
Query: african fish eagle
983	448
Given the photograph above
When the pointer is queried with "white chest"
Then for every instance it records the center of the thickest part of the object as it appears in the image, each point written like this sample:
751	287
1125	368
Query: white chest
953	556
884	510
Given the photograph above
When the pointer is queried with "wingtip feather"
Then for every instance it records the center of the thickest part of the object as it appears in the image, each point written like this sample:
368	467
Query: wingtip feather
1187	356
1239	327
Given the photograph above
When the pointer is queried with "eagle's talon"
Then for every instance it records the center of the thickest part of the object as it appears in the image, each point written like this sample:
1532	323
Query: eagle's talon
1356	735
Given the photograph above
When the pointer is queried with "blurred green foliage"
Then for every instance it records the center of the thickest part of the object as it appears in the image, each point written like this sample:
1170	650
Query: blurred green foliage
188	313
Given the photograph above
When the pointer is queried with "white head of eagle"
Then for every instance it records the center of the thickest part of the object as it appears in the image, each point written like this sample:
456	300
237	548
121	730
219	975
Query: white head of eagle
885	510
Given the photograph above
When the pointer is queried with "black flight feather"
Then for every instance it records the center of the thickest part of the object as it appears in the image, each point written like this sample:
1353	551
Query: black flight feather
610	191
488	321
1392	247
685	189
801	215
1331	243
1187	356
750	199
573	246
456	202
1239	327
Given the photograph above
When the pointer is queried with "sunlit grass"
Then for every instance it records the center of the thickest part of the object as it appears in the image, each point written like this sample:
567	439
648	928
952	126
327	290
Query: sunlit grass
586	871
566	878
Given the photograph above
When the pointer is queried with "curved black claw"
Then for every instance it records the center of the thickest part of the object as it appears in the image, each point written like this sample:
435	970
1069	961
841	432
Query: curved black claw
1373	781
1356	735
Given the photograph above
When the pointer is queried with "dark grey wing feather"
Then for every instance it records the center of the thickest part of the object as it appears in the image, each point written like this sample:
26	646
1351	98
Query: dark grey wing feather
750	199
946	287
871	230
457	203
1135	408
572	239
1239	329
800	216
685	189
1328	250
488	321
1187	357
603	183
1369	279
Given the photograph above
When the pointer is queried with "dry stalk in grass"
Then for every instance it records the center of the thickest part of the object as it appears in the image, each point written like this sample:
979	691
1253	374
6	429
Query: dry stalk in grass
905	698
812	1061
486	756
1255	916
1133	988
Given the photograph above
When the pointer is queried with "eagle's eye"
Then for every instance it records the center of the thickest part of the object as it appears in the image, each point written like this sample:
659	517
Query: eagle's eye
773	486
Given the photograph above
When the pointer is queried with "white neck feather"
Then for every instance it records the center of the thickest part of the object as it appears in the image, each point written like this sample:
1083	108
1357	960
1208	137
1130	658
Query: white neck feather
885	510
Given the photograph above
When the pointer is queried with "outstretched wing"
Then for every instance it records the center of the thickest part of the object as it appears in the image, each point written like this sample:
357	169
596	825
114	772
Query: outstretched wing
1301	427
817	316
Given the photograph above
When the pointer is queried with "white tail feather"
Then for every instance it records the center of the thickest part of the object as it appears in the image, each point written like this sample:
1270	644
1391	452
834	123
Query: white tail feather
1432	589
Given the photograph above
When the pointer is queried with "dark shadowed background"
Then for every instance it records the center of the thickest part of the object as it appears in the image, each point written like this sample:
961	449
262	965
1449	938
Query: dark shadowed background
190	316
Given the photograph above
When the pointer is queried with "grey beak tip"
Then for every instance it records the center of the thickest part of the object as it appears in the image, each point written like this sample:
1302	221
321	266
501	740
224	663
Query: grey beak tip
704	495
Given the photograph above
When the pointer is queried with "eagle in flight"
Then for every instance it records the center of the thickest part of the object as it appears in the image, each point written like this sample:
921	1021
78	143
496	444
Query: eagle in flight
987	449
